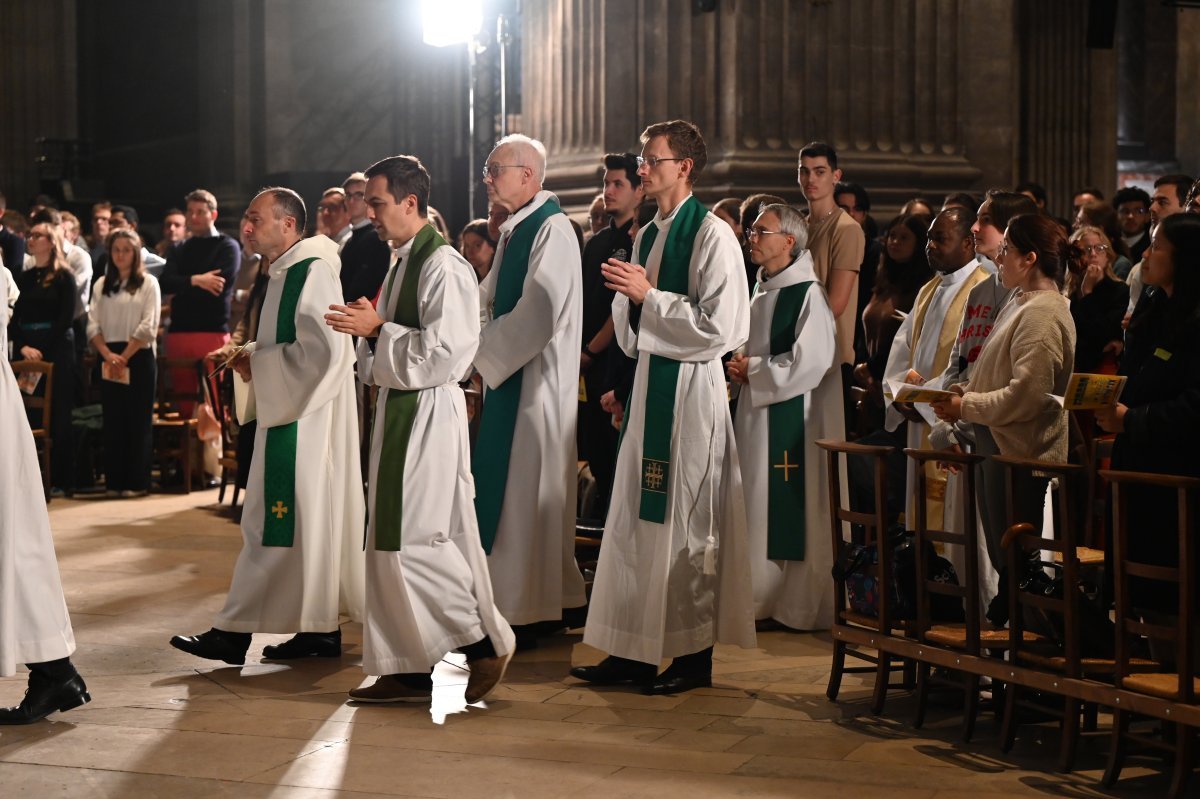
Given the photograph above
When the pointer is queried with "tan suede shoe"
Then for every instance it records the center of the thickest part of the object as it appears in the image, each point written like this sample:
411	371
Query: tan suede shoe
486	674
390	689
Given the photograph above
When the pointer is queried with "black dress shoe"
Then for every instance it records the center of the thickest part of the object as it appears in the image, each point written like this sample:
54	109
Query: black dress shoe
668	683
306	645
214	645
615	671
43	697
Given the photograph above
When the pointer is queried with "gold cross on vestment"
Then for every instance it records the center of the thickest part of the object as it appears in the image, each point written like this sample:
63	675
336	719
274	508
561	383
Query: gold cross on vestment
787	467
654	475
280	510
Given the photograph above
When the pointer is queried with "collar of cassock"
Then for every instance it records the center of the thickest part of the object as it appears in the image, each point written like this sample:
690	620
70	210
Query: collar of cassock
798	271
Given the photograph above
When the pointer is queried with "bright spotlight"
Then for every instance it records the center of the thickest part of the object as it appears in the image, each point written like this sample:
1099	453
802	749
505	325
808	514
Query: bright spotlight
447	22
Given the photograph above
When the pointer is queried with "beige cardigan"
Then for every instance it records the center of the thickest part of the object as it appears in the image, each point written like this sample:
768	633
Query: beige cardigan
1027	357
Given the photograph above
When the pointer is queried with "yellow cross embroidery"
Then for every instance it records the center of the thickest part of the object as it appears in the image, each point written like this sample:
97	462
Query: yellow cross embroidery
787	467
280	510
654	475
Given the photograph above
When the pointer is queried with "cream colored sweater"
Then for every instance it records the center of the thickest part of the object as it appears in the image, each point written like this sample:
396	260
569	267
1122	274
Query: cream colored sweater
1028	356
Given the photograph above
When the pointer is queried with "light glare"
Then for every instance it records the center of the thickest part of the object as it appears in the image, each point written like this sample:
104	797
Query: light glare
447	22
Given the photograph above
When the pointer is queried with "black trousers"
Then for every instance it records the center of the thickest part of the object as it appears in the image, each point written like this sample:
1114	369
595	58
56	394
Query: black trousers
128	414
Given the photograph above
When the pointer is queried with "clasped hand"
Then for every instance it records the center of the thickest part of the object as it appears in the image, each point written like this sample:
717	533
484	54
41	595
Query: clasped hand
626	278
359	318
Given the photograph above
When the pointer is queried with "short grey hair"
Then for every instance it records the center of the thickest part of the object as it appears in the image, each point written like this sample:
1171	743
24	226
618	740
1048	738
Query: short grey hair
531	151
791	222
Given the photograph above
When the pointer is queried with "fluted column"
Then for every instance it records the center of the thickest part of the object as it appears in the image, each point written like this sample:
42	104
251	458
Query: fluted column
1068	133
917	95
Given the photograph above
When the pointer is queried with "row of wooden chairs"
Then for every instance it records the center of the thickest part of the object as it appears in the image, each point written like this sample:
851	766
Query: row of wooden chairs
1019	661
175	432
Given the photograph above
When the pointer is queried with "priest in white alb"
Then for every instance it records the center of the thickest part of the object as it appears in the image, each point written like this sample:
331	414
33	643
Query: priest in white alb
428	590
923	345
302	560
524	462
790	398
34	626
674	575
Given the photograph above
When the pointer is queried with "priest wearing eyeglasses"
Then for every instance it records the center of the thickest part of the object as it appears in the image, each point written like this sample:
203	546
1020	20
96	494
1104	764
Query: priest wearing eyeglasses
674	575
524	463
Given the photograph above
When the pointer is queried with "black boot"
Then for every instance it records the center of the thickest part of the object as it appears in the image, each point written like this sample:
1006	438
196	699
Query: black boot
54	685
306	645
215	645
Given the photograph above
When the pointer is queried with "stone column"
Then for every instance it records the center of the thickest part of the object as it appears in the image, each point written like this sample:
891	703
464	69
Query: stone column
918	96
1068	109
38	59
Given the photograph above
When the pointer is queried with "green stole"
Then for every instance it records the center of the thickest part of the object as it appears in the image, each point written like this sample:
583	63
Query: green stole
786	532
400	411
498	419
663	373
279	468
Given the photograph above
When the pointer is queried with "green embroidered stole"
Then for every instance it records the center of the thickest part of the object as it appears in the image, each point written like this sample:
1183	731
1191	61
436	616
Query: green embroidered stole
663	373
279	468
498	419
786	532
400	410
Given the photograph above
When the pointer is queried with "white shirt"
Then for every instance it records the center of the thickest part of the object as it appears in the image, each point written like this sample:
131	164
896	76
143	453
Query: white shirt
121	316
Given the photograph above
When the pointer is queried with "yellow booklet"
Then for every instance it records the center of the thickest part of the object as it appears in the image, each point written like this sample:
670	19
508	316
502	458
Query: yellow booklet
1087	392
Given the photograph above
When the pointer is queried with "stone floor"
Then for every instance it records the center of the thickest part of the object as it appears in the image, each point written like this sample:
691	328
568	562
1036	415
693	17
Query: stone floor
163	724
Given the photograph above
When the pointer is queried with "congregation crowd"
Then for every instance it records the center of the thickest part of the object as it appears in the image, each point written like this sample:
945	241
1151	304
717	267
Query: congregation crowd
692	357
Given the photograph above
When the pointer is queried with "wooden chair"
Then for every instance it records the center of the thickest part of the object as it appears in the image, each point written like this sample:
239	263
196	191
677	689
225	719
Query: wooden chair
174	434
849	626
1063	656
1180	687
966	636
220	396
41	433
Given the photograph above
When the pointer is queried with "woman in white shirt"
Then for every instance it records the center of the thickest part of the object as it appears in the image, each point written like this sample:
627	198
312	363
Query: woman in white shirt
123	327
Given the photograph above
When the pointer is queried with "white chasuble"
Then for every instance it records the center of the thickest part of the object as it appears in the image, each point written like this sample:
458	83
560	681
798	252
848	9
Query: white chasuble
532	560
433	594
34	625
310	381
652	598
938	311
797	593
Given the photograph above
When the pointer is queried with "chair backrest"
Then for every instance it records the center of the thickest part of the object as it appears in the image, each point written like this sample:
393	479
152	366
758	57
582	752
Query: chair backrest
874	524
1022	538
169	396
968	539
219	394
38	402
1181	577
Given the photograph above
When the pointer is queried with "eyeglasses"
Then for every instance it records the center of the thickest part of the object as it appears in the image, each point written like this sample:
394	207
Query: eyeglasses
1095	248
653	161
329	209
755	232
39	235
493	170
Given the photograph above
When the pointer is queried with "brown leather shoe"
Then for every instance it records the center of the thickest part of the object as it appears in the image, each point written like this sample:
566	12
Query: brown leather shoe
486	674
390	688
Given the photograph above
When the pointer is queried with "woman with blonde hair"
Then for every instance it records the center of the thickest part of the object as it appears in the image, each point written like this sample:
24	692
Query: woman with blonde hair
41	331
123	327
1098	300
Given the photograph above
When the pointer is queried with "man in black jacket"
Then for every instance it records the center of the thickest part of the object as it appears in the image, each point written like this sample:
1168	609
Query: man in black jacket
365	256
597	438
